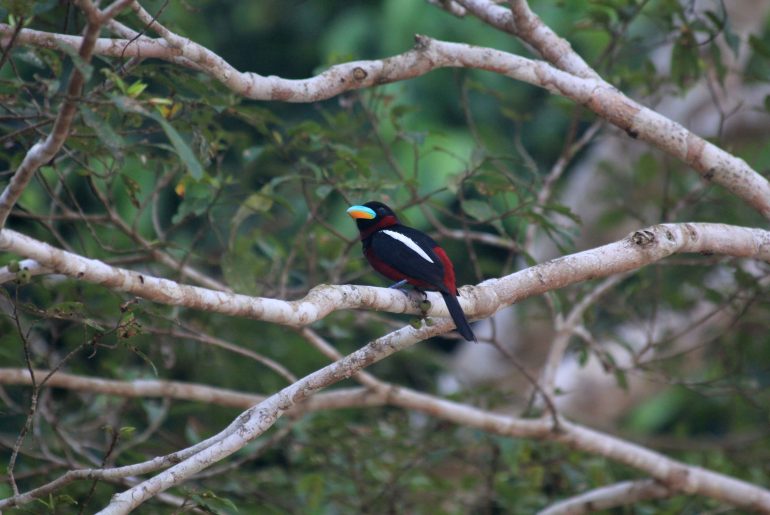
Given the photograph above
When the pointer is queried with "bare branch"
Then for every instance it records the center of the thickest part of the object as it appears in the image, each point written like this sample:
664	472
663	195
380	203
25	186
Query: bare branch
635	251
260	418
567	326
365	378
531	29
713	163
255	421
145	388
45	150
608	497
558	168
670	476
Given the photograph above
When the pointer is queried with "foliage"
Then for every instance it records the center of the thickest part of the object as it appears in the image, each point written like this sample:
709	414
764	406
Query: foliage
165	160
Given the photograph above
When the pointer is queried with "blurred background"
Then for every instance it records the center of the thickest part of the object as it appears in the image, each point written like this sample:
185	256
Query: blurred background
169	173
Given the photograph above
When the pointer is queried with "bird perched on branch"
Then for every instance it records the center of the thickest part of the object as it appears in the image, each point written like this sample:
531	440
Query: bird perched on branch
407	255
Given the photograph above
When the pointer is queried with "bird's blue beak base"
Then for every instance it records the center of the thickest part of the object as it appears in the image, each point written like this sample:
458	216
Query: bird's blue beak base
361	212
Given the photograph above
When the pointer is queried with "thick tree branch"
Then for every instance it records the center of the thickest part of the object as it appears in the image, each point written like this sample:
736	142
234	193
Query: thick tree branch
146	388
637	250
257	420
713	163
520	21
670	476
567	75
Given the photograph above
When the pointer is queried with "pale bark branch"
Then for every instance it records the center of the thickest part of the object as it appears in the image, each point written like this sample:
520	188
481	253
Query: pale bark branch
338	399
670	475
650	244
258	419
608	497
567	75
323	346
521	22
45	150
567	326
713	163
146	388
530	28
673	474
635	251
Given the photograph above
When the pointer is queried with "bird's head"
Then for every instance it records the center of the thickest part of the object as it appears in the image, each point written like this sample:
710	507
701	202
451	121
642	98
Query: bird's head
372	216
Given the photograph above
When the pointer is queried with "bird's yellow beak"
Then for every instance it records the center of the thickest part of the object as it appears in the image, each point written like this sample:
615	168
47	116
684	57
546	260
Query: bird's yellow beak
361	212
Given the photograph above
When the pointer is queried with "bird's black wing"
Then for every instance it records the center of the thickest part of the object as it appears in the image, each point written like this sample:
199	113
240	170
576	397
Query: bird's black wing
397	246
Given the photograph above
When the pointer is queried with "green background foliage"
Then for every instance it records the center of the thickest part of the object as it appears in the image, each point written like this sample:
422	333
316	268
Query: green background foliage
164	159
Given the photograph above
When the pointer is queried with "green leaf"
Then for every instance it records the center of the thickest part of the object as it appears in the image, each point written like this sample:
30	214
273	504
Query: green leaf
759	46
136	89
242	267
732	39
620	377
479	210
257	202
215	503
251	154
103	130
18	8
82	66
311	487
716	58
685	62
182	149
66	310
116	79
144	358
29	56
583	356
197	199
133	188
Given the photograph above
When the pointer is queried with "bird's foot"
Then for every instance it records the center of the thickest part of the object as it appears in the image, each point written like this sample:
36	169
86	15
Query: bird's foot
424	306
418	322
399	286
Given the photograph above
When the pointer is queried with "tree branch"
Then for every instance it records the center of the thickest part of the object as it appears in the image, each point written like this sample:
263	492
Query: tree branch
144	388
608	497
45	150
713	163
258	419
670	475
635	251
566	327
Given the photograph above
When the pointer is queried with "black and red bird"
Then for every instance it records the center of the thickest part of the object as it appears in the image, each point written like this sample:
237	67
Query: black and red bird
402	253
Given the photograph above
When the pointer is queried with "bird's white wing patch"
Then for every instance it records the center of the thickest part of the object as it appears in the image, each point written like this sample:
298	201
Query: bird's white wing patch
409	242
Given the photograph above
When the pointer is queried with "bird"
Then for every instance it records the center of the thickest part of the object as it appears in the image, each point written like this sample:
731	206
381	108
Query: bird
408	255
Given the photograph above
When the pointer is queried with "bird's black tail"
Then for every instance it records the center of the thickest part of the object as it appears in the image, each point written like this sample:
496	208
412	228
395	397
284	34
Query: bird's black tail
458	316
